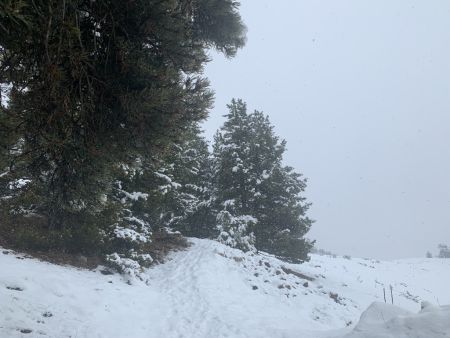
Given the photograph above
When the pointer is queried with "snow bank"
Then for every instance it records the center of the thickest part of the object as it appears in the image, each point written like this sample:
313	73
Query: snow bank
388	321
39	299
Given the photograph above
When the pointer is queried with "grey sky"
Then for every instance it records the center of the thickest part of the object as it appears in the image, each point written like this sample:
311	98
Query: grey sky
361	92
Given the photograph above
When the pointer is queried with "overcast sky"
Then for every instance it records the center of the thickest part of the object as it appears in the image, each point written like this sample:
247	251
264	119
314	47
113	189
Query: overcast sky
361	92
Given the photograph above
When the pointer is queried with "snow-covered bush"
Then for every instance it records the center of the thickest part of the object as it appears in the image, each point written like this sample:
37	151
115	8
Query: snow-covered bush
127	239
236	231
131	264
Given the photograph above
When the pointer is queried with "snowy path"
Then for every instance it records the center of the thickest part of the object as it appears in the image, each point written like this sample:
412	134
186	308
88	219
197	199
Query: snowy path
182	282
209	297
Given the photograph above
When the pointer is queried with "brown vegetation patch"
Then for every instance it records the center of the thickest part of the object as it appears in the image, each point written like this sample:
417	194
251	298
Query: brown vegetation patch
163	243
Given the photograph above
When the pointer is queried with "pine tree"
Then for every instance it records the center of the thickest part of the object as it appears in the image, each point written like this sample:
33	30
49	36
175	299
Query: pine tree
444	251
187	172
236	231
253	185
127	238
231	155
96	83
232	185
195	177
171	192
283	221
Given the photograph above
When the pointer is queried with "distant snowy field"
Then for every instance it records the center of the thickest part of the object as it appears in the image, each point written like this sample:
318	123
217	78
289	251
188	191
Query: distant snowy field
211	290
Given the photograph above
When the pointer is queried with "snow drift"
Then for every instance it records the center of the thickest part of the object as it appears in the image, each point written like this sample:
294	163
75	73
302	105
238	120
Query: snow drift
388	321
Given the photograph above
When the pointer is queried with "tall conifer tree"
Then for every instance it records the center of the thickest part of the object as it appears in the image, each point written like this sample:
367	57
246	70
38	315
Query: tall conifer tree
253	186
97	83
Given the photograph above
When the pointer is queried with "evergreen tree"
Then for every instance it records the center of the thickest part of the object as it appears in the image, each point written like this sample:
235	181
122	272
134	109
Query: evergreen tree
197	185
236	231
232	184
96	83
187	174
252	184
231	152
283	223
170	192
444	251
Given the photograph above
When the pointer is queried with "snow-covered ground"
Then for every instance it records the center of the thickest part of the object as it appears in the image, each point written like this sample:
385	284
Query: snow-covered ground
211	290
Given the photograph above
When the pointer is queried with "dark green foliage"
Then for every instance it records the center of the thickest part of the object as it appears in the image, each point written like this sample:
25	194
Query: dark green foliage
96	83
282	215
190	168
100	145
178	187
252	184
232	159
444	251
167	193
33	233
